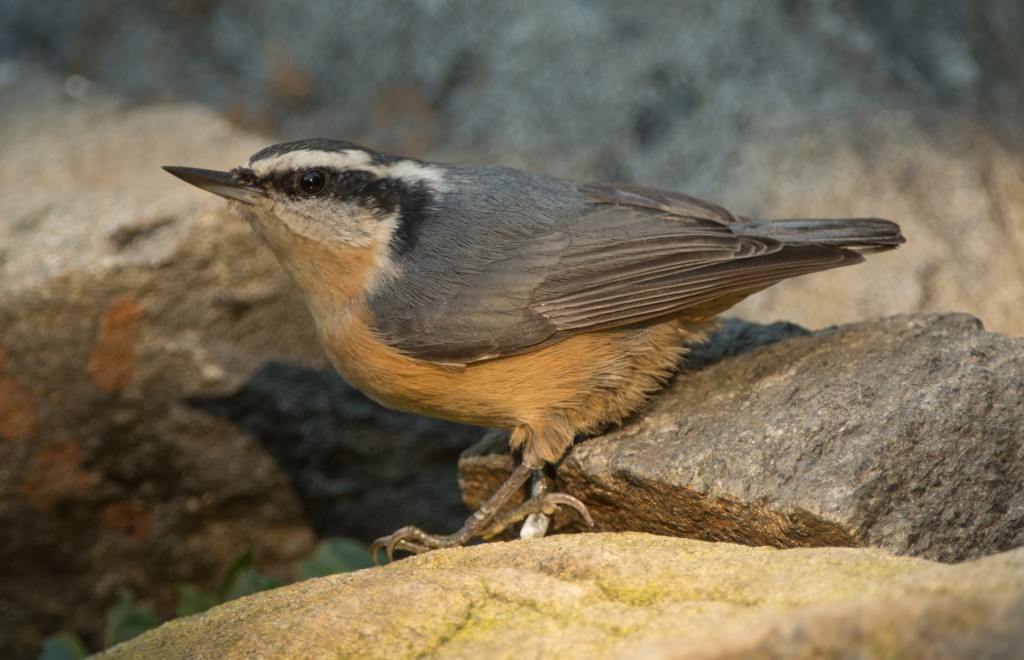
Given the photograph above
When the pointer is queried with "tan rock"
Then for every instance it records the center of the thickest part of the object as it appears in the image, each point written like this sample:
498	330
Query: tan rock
621	595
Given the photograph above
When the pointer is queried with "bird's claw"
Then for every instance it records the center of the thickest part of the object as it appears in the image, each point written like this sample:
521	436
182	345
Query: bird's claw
487	522
415	541
544	503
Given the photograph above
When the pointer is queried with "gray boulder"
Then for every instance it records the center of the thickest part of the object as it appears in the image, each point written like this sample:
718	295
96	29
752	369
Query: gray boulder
905	433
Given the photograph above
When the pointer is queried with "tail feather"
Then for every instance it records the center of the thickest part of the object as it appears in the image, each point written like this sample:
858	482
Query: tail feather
859	234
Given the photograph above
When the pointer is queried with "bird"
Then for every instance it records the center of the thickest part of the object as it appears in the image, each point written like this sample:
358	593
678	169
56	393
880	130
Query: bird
503	298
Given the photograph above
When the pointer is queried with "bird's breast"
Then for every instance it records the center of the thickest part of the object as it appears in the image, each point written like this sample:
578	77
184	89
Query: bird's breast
587	379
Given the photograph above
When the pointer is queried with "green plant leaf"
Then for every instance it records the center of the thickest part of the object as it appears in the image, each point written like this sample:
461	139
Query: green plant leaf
337	555
193	600
127	619
62	646
243	579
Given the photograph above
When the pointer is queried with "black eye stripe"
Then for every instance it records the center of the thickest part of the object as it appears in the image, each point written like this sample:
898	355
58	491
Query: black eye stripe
355	181
369	189
337	184
382	194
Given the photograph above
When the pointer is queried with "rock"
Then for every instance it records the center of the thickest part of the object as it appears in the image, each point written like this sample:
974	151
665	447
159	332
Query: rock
902	110
621	595
361	470
903	433
122	295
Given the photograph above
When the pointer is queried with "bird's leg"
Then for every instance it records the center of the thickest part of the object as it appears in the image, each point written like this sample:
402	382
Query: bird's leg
482	523
536	524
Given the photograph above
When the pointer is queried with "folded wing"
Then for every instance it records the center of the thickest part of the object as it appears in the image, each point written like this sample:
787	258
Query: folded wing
626	255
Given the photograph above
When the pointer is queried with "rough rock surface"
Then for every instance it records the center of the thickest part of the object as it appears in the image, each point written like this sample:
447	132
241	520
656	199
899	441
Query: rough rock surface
118	297
621	595
360	469
904	433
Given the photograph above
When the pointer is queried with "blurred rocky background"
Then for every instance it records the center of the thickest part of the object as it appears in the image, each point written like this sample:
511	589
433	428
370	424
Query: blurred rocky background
163	403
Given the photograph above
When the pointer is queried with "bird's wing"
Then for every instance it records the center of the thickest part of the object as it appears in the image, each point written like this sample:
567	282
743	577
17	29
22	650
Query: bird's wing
626	255
646	254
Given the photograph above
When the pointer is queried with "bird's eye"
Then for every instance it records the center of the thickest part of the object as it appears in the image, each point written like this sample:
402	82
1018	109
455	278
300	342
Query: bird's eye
312	181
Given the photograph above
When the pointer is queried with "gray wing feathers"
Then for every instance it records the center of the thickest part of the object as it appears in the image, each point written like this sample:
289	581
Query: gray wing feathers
695	253
662	296
861	234
461	315
622	194
564	259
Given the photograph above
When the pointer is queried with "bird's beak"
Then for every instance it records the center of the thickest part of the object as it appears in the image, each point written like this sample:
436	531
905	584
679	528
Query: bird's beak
219	183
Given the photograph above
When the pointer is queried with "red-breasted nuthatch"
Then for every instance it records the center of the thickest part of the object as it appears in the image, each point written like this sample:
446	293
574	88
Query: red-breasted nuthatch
501	298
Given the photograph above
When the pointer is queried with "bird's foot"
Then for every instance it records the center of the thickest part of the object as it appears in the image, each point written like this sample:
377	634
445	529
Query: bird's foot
486	523
536	511
414	540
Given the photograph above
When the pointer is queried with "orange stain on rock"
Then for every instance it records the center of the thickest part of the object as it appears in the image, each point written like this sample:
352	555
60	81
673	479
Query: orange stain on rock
18	416
130	518
55	474
112	362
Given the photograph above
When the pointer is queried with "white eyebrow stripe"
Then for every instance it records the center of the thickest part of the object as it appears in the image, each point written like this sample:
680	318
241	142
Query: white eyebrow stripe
349	159
408	170
297	160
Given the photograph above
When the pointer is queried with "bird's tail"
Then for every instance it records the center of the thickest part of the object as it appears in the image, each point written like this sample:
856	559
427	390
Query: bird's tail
859	234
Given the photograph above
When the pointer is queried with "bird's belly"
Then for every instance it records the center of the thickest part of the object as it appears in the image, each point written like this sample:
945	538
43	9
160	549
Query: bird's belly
584	381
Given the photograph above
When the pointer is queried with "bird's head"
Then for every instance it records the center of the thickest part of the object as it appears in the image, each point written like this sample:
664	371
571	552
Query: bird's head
319	204
327	191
